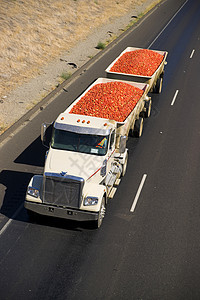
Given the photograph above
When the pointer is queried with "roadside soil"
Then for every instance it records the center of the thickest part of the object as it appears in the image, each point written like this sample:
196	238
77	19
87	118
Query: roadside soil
43	42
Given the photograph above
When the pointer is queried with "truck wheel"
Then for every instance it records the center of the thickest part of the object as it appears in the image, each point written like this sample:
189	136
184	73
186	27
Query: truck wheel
131	132
138	127
101	215
158	86
124	167
148	108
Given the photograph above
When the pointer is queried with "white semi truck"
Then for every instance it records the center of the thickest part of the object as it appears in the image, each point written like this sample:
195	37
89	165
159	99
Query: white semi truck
86	159
87	154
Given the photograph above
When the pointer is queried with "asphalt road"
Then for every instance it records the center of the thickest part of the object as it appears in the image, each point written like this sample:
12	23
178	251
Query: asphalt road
151	252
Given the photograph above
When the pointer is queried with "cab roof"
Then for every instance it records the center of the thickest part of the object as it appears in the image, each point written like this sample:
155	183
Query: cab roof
84	124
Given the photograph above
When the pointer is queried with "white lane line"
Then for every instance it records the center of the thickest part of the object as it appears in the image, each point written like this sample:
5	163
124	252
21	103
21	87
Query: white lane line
10	220
167	24
192	53
138	193
174	99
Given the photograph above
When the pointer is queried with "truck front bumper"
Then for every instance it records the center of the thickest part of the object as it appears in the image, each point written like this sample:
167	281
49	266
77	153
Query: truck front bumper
60	212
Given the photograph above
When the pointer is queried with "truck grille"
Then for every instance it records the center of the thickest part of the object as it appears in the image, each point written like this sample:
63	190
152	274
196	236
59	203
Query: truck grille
62	191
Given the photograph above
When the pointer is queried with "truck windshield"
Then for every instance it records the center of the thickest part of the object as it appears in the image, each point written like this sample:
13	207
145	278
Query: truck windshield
78	142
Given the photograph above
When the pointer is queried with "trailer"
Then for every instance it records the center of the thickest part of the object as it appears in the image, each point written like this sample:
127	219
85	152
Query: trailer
154	80
87	154
133	124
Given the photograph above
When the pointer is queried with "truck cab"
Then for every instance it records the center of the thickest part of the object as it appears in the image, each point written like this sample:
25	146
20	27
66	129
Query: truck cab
85	161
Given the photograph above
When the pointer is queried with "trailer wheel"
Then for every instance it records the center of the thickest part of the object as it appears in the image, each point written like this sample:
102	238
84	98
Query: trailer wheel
102	212
124	167
147	108
138	127
158	86
131	132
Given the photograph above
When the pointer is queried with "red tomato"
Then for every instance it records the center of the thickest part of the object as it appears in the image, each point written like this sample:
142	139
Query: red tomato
143	62
111	100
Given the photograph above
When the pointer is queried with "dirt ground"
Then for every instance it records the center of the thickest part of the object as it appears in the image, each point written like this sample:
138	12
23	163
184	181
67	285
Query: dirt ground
35	34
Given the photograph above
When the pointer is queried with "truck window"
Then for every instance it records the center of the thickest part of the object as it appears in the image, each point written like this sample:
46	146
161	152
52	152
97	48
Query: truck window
78	142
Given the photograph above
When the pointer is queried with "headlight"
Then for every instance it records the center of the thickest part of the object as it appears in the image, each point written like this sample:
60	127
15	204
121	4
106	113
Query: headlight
33	192
90	201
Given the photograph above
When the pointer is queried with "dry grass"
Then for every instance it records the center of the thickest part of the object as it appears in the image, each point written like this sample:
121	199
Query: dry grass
34	32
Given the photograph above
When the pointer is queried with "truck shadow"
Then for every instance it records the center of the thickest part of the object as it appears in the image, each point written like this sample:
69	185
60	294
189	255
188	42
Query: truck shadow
33	155
13	189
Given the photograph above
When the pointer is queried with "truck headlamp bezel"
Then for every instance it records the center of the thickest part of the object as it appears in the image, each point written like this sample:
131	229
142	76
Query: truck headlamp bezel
88	201
33	192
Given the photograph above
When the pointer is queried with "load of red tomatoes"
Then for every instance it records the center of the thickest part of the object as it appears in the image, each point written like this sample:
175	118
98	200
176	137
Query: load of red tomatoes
143	62
110	100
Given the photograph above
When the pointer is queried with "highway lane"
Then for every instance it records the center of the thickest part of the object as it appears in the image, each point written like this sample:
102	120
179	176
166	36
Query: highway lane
152	253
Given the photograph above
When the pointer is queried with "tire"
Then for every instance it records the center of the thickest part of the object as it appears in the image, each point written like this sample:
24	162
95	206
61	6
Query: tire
124	167
131	132
158	86
148	108
102	212
138	128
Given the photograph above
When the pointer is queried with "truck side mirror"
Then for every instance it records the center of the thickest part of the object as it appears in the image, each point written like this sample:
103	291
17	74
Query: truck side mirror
46	132
122	144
